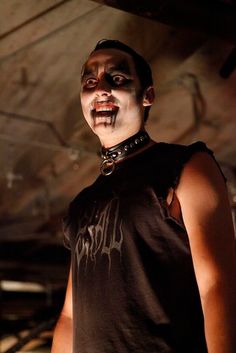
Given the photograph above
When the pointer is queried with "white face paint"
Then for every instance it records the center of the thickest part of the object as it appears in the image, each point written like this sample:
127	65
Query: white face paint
110	96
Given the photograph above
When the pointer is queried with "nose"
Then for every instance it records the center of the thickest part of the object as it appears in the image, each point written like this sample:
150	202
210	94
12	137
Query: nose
103	87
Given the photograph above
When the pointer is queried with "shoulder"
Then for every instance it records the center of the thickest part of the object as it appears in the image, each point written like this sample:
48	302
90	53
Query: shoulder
203	195
175	157
83	195
201	178
179	154
78	204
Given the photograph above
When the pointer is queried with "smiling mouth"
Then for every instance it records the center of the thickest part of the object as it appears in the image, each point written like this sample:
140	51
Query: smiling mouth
104	113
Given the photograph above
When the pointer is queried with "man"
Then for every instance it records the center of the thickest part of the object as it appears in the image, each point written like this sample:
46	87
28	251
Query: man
152	245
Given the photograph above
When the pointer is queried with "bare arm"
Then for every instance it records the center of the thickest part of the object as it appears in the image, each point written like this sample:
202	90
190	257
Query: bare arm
206	213
62	338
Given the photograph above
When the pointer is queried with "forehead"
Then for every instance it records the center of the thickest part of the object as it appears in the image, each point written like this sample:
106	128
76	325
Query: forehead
109	58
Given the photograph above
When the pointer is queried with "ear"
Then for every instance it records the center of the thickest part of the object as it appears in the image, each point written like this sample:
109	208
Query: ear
148	96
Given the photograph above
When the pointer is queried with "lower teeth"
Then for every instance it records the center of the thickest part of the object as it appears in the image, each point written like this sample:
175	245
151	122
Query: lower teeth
107	118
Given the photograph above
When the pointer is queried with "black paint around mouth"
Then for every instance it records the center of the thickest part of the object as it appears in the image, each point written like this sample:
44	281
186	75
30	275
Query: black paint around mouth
103	114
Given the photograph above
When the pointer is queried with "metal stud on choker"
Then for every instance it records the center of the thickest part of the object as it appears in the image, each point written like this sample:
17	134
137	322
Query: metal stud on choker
118	152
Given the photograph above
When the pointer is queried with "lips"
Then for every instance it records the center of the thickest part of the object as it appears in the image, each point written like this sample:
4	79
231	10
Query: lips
104	112
104	106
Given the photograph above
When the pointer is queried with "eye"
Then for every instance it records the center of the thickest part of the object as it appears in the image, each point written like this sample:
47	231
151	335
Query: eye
90	82
119	80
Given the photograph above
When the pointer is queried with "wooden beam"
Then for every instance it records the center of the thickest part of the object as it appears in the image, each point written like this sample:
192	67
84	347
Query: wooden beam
215	18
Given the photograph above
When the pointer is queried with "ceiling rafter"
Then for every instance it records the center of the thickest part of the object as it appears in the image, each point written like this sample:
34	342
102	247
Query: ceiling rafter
44	37
214	18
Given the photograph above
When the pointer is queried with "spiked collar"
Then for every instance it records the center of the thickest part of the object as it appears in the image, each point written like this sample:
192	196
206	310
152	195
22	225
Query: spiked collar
120	151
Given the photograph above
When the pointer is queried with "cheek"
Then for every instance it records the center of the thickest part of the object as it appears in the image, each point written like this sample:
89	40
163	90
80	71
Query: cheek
128	95
86	111
133	101
84	99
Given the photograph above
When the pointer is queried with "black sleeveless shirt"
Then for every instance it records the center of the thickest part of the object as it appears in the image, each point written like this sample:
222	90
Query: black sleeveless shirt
134	287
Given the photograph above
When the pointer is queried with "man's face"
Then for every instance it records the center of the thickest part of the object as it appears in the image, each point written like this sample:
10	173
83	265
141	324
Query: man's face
111	96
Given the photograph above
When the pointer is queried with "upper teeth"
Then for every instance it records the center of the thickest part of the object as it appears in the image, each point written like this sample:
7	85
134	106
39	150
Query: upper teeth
104	109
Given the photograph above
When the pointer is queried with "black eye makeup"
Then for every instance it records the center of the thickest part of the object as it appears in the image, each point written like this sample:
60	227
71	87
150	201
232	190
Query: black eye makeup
117	75
114	80
89	82
118	79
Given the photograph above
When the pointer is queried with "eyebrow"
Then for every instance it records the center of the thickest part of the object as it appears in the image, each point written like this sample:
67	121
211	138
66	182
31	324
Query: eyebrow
121	66
88	70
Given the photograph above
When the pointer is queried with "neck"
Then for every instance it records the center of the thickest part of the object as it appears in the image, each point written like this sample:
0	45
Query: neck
132	145
116	137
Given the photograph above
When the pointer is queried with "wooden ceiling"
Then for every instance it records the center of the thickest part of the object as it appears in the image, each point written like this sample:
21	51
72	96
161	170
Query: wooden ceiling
48	154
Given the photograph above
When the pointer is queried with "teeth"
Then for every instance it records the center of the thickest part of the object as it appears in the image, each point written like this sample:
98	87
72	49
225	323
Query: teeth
104	109
101	118
104	106
106	120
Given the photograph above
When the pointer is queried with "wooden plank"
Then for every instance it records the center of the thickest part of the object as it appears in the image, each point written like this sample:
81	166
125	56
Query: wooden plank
44	26
16	12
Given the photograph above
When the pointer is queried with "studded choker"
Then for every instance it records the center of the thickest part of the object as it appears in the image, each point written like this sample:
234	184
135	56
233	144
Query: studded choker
118	152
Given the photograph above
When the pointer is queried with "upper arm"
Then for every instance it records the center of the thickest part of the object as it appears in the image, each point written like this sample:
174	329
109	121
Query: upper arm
207	217
67	307
62	338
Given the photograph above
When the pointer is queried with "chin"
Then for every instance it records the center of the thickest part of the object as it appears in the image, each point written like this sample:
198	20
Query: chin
103	128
